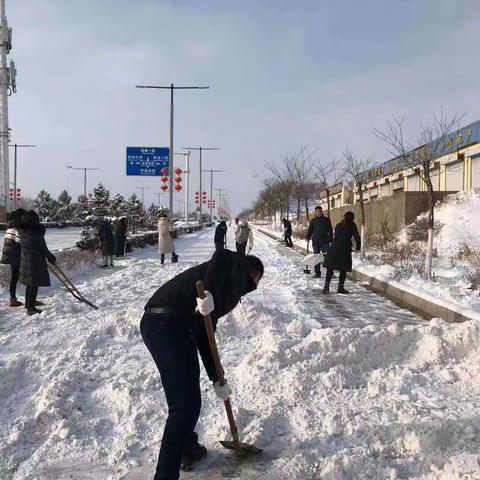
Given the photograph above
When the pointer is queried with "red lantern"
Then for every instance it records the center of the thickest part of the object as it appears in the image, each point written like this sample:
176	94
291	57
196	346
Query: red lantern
164	188
178	179
178	171
11	193
164	171
164	179
19	193
178	188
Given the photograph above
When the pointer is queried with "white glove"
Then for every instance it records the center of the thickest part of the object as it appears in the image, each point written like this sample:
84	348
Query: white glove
223	391
205	305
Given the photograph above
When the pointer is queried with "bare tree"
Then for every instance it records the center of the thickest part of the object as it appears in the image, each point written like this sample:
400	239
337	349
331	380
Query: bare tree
329	174
420	157
355	167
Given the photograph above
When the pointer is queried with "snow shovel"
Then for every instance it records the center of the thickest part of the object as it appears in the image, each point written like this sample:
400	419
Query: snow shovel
242	448
67	283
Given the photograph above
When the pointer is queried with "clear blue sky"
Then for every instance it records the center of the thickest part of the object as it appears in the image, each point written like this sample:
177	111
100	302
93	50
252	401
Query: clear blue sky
282	74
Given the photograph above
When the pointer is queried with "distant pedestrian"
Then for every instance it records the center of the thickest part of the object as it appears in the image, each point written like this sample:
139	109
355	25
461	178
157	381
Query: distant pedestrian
287	232
12	252
120	231
243	234
165	240
107	242
220	238
320	232
237	220
33	265
339	256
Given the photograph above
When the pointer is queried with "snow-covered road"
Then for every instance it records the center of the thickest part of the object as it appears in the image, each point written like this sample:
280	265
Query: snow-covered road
331	387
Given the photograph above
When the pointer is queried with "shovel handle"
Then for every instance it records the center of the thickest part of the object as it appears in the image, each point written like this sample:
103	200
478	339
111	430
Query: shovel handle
216	360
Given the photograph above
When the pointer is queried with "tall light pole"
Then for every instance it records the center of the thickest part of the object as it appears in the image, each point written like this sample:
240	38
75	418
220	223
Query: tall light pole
158	194
143	189
211	189
201	149
172	87
8	86
85	169
16	146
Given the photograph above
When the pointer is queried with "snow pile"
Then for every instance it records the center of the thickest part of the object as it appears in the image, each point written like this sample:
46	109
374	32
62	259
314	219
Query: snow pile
460	219
331	387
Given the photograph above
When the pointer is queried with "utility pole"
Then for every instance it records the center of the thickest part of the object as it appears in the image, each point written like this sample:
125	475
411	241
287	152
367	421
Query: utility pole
211	189
143	189
16	146
85	169
201	149
68	167
172	87
187	183
158	194
8	86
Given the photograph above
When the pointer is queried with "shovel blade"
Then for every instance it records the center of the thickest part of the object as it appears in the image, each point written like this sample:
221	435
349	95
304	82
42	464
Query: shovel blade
241	448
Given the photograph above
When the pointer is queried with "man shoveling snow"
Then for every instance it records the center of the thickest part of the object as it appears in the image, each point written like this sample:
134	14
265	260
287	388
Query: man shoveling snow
173	330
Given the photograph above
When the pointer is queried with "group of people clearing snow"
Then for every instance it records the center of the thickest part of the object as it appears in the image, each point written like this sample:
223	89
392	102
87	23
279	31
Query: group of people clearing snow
336	248
172	326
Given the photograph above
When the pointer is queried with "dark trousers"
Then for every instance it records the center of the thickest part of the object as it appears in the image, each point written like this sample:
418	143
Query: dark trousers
241	247
317	248
31	297
174	350
288	240
120	247
219	246
14	273
341	279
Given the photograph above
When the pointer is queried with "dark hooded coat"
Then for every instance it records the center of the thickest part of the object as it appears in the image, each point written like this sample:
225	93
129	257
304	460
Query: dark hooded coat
339	256
11	246
34	256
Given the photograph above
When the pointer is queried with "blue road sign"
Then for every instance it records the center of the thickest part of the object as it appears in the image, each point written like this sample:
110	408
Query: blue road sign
147	161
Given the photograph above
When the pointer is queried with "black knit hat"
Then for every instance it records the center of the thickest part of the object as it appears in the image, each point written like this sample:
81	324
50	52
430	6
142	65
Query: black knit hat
254	264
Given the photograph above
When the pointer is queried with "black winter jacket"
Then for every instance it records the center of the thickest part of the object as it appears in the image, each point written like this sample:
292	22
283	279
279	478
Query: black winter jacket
11	246
320	230
287	225
220	234
339	256
225	277
33	266
107	240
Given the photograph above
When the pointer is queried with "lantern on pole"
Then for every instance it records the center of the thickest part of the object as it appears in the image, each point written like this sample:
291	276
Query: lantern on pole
178	187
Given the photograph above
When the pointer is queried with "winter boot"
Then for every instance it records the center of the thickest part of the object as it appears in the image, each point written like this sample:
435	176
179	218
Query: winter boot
318	275
174	258
341	289
162	258
15	303
192	455
38	303
326	288
33	311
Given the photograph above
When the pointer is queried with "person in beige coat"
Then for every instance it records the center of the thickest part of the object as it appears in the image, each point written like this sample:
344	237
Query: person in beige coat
165	241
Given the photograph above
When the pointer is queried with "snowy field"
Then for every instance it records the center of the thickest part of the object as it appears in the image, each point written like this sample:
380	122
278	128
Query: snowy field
338	387
56	238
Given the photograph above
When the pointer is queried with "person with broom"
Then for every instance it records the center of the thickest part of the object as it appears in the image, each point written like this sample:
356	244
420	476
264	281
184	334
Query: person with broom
173	330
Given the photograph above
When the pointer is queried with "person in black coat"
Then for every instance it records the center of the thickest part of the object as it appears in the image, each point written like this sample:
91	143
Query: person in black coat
339	256
120	237
33	265
12	252
320	232
220	238
287	233
107	242
173	331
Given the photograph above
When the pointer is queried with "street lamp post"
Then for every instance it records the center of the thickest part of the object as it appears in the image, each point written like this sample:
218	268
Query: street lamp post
16	146
201	149
85	169
143	189
211	189
172	87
